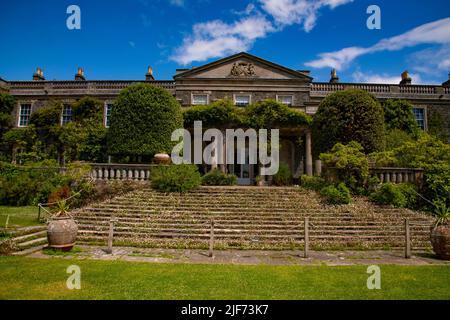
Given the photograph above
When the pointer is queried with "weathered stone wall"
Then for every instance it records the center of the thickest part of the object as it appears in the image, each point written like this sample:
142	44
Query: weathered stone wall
299	98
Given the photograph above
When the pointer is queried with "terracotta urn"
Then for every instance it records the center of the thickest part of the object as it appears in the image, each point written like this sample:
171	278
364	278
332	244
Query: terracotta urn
62	233
162	158
440	240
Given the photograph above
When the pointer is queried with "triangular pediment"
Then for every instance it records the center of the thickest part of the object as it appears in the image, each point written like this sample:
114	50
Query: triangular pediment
242	66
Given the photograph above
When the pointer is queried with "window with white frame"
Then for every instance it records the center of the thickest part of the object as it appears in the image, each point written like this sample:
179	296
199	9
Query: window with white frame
66	115
419	113
108	108
24	114
287	100
199	99
241	100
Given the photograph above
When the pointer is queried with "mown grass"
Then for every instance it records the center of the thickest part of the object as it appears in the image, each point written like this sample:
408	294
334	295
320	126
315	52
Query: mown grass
18	216
28	278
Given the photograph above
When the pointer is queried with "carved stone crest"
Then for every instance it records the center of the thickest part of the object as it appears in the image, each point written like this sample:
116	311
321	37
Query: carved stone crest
242	69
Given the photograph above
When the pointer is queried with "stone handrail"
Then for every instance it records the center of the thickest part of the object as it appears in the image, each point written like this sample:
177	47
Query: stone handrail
110	171
398	175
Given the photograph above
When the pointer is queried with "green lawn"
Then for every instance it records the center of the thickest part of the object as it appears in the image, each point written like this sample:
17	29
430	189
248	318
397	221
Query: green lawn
18	216
28	278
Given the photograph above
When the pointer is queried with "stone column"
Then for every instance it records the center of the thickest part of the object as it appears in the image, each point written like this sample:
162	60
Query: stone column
318	168
309	163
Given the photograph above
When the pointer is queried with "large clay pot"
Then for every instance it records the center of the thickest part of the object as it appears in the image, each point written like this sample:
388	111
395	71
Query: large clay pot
162	158
440	239
62	233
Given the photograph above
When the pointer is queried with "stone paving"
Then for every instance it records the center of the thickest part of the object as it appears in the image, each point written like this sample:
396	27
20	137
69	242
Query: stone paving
250	257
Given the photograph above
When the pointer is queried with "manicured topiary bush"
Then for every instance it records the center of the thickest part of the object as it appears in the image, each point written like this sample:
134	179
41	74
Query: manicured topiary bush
217	178
339	194
350	115
142	121
175	178
283	177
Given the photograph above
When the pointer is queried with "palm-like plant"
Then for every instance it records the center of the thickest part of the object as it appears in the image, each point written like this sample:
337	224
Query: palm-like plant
62	208
441	212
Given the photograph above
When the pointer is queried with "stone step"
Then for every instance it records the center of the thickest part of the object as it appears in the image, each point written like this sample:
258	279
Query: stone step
257	226
32	243
29	236
29	250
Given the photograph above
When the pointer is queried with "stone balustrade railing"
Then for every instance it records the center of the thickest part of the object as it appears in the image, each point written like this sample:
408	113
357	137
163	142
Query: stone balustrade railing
398	175
85	85
107	171
325	87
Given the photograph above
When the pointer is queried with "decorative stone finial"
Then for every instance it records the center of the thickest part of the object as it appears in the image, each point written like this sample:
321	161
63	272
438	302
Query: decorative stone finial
406	79
39	74
334	78
80	75
149	74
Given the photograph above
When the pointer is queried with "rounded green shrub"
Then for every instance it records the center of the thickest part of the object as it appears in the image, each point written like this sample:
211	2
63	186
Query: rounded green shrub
398	114
348	164
175	178
313	182
350	115
283	177
217	178
389	194
142	121
339	194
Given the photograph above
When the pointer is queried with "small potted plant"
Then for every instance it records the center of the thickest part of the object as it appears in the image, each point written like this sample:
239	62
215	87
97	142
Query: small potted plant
260	181
440	231
61	228
161	158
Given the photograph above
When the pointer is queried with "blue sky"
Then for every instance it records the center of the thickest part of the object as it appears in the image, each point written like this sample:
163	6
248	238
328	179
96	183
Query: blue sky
119	39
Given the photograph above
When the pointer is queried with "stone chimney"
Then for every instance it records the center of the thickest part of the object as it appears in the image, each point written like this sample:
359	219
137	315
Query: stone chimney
334	78
149	74
80	75
38	75
406	79
447	83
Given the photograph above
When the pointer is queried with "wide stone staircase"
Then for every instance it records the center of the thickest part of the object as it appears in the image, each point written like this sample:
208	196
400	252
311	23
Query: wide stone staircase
248	218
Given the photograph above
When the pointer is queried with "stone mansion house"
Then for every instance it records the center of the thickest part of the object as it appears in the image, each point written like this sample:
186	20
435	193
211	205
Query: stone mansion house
244	79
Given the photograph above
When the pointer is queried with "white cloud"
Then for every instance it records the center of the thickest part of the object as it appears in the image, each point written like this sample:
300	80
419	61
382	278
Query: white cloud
431	60
437	32
303	12
216	38
384	78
